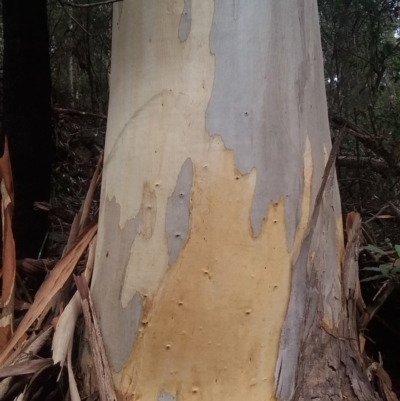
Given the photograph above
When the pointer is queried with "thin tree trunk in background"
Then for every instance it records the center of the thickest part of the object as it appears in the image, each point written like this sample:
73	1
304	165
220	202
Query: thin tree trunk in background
71	79
89	61
27	117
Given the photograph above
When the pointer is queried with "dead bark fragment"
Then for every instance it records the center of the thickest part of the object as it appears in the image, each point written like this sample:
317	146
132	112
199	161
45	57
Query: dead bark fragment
25	368
330	365
56	279
103	373
8	251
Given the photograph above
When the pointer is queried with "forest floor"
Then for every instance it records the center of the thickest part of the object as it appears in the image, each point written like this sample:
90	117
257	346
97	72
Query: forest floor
79	144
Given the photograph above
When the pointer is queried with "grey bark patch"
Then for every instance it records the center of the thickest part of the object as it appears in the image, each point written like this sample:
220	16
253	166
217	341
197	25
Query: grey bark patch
266	115
286	366
328	335
112	263
185	22
253	116
165	397
178	211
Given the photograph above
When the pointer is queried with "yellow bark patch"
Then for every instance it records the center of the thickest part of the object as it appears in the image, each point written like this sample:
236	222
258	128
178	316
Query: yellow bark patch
212	330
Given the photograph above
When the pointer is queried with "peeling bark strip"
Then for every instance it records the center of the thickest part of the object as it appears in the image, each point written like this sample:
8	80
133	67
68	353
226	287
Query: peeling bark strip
8	267
289	349
328	357
25	368
351	295
103	374
327	350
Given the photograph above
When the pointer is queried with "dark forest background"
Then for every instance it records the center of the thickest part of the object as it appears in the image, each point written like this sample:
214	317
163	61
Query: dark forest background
361	46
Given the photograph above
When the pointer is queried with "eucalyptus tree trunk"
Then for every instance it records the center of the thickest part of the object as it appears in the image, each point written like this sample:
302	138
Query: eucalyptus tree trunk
218	276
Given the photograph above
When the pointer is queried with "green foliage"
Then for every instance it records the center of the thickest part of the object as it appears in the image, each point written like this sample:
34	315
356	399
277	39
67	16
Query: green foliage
385	270
373	248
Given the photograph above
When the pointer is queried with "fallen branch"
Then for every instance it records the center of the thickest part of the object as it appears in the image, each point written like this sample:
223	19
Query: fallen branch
378	165
101	3
33	267
8	268
73	19
371	142
25	368
358	132
379	299
79	113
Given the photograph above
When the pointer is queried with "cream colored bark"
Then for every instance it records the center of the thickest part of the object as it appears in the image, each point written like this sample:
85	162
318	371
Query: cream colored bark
217	140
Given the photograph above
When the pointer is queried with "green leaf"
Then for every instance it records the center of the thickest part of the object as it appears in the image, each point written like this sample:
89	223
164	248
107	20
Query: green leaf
371	269
373	278
397	247
373	248
386	269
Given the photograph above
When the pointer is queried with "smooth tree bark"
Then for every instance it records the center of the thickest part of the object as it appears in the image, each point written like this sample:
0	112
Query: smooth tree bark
219	274
27	117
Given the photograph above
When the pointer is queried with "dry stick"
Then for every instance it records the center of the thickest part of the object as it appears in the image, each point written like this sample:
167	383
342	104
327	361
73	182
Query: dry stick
79	113
8	268
73	19
103	373
66	323
25	368
24	354
74	231
102	3
327	172
376	303
376	215
395	211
